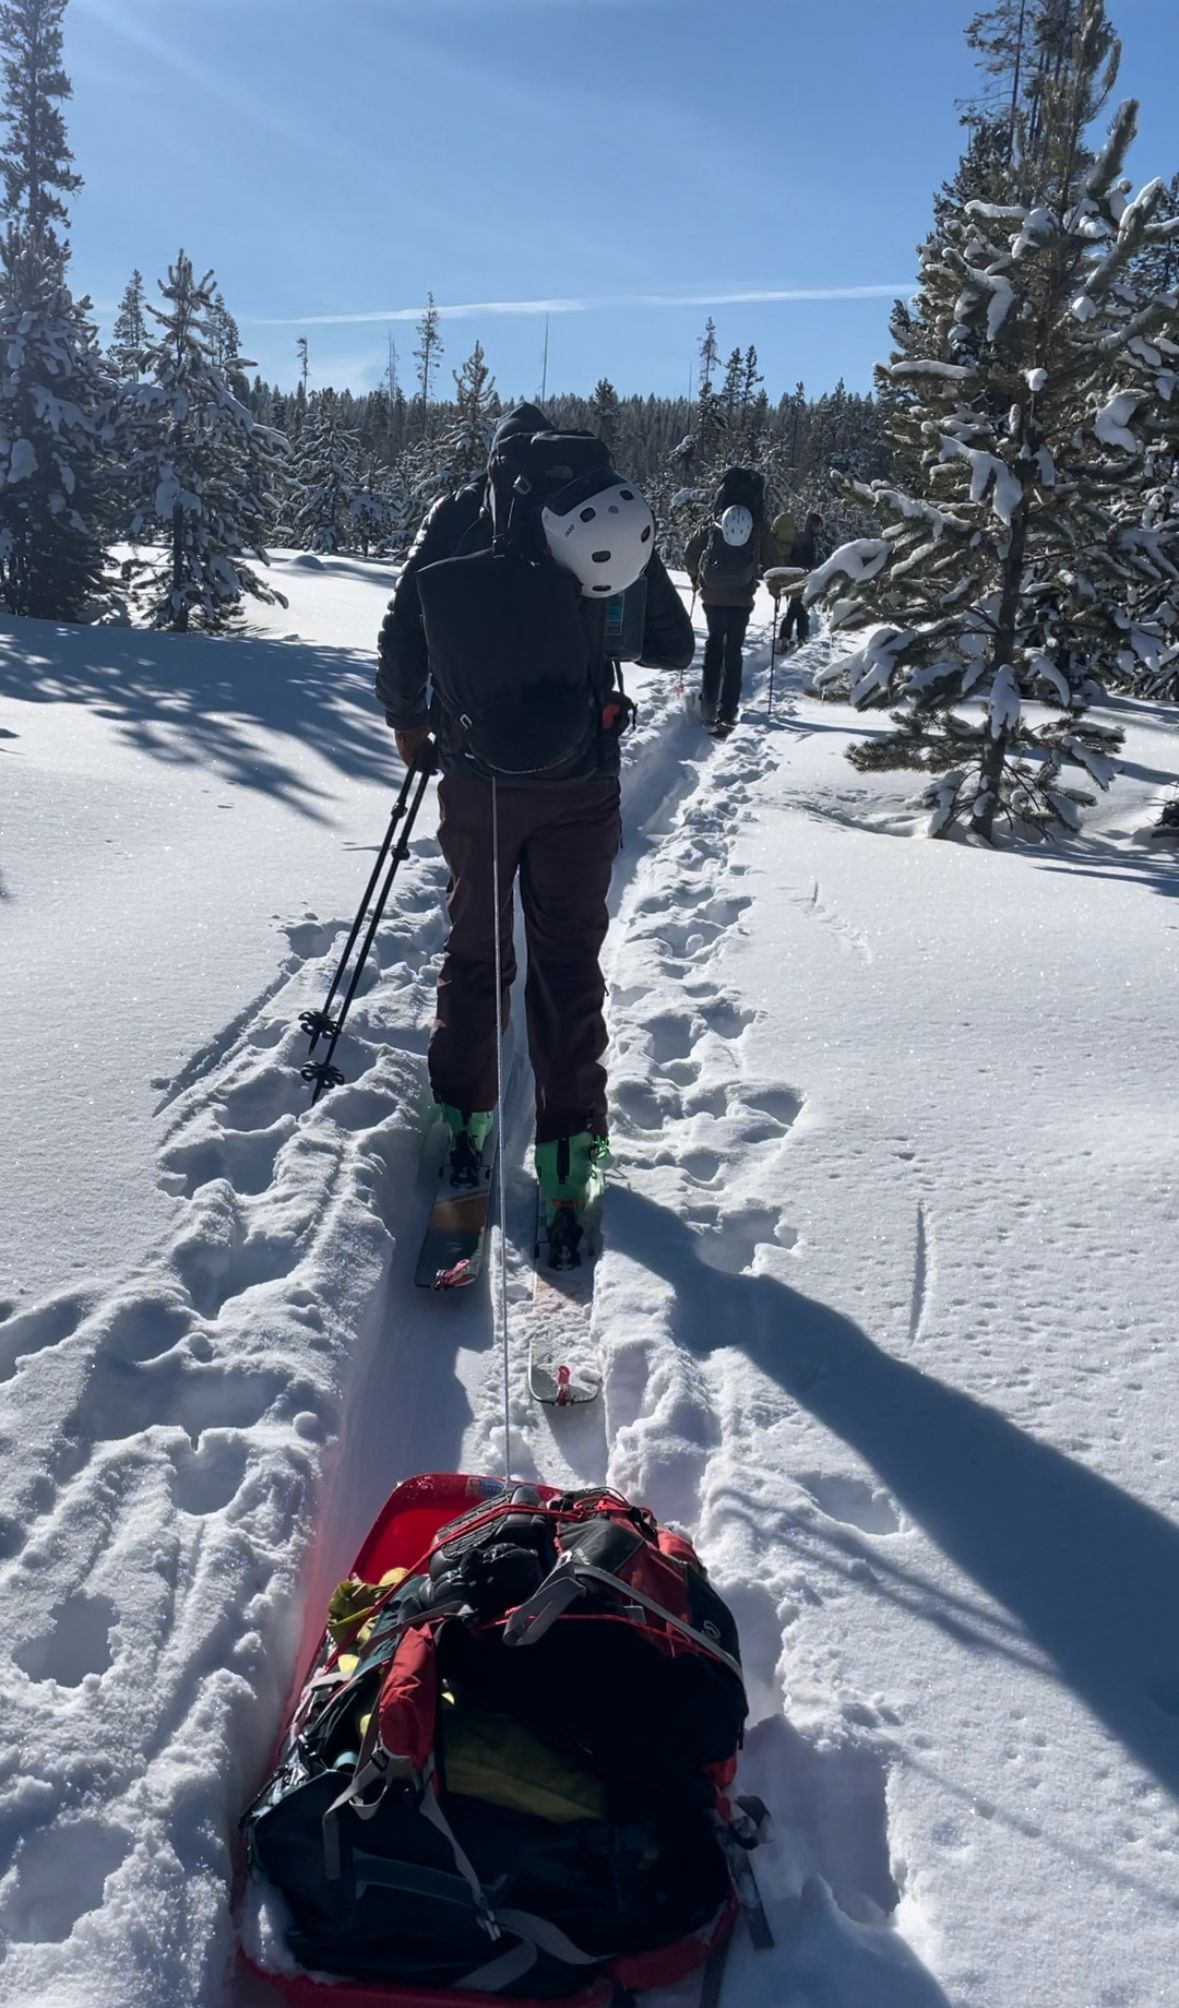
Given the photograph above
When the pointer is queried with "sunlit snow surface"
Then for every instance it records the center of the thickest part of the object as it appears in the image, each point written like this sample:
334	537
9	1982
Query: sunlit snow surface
886	1313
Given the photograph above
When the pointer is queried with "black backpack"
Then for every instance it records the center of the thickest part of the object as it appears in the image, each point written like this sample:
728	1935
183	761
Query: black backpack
730	564
515	657
725	565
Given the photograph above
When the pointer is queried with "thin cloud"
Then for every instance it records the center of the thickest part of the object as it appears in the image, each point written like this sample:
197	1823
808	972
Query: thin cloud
590	303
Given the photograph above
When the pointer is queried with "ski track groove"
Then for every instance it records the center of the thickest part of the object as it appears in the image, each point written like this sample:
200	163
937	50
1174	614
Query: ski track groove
917	1307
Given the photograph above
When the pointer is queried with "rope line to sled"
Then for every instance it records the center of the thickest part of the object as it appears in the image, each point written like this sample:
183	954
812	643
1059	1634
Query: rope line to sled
500	1118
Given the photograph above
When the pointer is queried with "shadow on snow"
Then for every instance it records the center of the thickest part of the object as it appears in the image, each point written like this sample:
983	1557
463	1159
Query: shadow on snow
1086	1569
190	701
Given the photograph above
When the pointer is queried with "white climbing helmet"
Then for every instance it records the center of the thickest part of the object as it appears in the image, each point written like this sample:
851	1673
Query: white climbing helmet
600	529
736	525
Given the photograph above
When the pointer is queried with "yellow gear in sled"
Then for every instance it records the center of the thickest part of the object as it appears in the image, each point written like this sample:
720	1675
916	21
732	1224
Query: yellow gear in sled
493	1758
353	1601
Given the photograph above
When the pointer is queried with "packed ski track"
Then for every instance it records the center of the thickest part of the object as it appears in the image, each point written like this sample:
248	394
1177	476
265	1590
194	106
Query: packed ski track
884	1319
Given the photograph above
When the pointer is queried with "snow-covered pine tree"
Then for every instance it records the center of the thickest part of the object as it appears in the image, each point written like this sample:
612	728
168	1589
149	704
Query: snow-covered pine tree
130	340
605	413
708	430
201	468
371	513
730	397
754	405
1002	574
467	441
53	392
325	481
427	355
1149	661
227	348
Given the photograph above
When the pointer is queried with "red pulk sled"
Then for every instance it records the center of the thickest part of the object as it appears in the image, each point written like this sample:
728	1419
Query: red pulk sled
507	1774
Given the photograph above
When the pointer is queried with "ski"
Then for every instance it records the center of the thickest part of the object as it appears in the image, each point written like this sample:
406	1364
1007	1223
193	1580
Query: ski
563	1369
455	1240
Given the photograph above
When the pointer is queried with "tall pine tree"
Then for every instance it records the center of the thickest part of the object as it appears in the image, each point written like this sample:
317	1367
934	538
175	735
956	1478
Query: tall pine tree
54	398
427	355
476	403
1005	572
605	413
326	480
202	468
129	340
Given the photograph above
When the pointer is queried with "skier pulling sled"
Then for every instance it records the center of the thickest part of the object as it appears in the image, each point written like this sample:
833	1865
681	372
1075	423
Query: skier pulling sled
503	646
508	1773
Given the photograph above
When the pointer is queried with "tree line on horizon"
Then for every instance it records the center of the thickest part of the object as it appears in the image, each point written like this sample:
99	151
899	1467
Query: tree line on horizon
163	441
1006	505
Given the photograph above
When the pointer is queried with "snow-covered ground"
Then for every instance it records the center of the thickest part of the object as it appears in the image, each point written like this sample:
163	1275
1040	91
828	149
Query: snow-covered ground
886	1315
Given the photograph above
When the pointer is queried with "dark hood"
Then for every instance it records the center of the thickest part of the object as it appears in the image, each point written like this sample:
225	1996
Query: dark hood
741	485
525	418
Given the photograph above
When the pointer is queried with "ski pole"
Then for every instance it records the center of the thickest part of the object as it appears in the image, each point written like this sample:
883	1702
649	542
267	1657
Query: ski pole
318	1024
691	617
773	659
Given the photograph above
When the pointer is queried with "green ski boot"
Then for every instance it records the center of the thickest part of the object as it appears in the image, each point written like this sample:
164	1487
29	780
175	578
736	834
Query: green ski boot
468	1134
570	1172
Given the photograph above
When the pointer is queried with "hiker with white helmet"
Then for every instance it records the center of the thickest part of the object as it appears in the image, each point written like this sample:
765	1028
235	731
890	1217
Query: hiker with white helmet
503	643
725	559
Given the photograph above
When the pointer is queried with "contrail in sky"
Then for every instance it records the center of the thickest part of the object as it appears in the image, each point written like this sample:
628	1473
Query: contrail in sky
591	303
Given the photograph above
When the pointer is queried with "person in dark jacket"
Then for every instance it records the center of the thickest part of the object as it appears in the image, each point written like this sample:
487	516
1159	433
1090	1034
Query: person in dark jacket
727	588
558	834
803	552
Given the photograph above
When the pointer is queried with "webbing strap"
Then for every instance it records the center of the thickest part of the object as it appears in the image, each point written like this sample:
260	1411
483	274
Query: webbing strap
550	1938
370	1766
531	1620
502	1972
714	1973
381	1872
431	1809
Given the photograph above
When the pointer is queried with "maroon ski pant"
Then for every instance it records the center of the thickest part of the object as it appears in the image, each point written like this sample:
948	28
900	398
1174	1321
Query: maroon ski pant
561	843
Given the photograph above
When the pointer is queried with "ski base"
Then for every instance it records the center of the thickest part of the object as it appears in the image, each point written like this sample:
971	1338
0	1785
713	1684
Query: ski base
563	1369
455	1240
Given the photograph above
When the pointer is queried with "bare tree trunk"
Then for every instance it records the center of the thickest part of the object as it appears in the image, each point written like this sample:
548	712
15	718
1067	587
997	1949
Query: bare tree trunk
1003	648
1015	79
179	605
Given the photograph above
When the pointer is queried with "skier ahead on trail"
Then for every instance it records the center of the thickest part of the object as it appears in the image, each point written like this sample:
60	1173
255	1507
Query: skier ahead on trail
804	551
502	655
725	558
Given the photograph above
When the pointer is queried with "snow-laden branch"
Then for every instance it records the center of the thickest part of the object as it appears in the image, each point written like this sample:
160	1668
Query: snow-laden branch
1111	423
857	561
988	474
952	372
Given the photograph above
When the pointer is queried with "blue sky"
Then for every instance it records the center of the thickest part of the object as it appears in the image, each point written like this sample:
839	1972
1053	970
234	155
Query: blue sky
635	162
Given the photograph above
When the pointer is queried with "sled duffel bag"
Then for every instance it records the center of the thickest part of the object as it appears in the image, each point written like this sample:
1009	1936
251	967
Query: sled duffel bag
507	1774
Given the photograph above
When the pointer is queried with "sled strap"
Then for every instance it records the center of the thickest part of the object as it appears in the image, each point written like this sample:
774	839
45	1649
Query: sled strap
430	1807
634	1596
736	1849
549	1938
371	1767
380	1872
531	1620
567	1581
502	1972
714	1973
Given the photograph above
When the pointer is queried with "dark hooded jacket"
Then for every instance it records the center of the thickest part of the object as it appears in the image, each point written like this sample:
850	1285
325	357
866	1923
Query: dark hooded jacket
459	524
